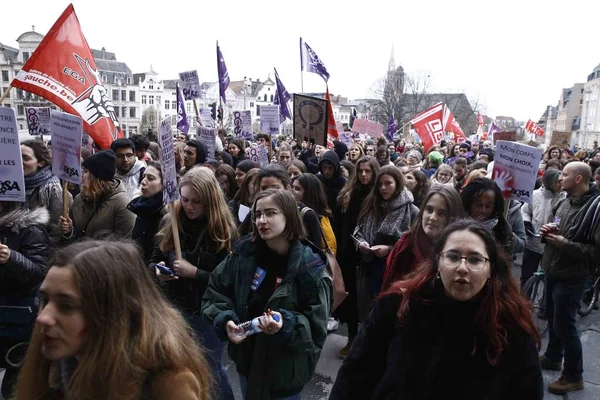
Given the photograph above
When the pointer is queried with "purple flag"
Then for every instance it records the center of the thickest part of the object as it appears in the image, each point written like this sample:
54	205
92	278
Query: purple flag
182	121
282	98
391	128
223	74
310	62
491	131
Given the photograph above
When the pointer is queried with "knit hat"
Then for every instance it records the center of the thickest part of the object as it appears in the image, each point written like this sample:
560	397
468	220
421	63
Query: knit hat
436	157
340	149
101	165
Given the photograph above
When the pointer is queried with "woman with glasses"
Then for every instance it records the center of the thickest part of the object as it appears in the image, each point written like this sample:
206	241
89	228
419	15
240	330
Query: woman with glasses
350	201
206	233
458	328
272	275
443	176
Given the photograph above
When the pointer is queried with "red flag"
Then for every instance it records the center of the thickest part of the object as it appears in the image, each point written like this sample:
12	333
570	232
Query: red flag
429	125
331	126
534	128
480	119
452	125
62	70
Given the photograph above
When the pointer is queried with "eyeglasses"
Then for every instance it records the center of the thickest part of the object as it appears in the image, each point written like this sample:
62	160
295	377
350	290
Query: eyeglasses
370	150
475	262
124	156
267	214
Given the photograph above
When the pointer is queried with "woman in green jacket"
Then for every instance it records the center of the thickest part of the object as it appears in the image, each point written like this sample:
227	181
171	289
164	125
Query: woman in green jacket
270	273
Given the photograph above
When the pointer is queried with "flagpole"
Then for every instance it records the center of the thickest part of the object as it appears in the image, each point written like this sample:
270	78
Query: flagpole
301	69
5	94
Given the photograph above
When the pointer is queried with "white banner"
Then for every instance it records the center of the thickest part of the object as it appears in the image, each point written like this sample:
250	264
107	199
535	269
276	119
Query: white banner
66	133
167	160
12	181
38	120
515	169
242	123
190	84
269	119
260	155
207	136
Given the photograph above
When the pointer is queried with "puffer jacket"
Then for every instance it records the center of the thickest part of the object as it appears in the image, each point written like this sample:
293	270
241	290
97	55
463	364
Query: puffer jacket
575	259
283	363
538	213
23	231
132	179
107	216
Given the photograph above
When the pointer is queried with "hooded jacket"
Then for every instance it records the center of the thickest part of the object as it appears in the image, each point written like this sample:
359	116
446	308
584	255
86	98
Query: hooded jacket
283	363
538	213
23	231
332	185
132	179
106	216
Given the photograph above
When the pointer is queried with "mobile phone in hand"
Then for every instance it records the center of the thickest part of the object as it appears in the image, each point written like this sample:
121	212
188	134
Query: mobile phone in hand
164	270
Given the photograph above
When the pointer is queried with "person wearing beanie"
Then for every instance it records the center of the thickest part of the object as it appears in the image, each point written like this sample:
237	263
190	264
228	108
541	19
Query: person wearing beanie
486	154
130	169
100	209
340	149
194	153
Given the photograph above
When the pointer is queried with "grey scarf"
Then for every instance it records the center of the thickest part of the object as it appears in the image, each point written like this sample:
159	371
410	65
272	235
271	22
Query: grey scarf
397	218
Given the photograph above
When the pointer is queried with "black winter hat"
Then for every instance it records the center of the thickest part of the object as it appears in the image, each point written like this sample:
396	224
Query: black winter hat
101	165
340	149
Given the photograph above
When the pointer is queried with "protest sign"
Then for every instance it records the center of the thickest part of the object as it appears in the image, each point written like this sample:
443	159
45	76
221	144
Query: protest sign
515	170
206	117
260	155
269	119
66	133
167	160
560	139
190	84
310	119
367	127
507	136
346	138
242	124
12	181
38	120
207	136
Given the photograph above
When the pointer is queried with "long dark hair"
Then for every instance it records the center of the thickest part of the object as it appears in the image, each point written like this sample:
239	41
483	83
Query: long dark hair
42	153
476	188
502	306
314	194
354	184
373	202
422	185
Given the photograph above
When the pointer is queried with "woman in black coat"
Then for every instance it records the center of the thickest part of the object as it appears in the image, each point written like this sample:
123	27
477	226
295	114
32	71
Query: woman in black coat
149	208
24	251
458	328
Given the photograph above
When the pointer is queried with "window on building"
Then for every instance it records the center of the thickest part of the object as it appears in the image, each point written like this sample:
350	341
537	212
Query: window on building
257	110
151	99
25	56
124	111
188	107
125	129
115	94
271	98
20	110
104	78
251	104
131	112
4	76
123	95
131	95
173	105
265	97
158	101
144	99
115	79
117	112
167	103
129	80
151	86
7	105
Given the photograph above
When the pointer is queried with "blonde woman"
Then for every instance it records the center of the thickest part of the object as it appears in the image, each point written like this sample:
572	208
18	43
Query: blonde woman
206	231
105	331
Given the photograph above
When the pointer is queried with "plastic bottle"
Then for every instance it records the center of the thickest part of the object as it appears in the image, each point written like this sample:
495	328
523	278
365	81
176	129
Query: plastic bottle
251	327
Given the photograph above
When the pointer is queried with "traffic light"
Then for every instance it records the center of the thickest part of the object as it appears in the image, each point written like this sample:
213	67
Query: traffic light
213	110
352	117
220	113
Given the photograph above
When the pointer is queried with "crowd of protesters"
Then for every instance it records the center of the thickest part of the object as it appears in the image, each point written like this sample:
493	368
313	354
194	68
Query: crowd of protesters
98	303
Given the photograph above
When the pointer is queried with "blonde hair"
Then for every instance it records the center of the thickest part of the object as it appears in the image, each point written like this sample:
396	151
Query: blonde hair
221	226
134	334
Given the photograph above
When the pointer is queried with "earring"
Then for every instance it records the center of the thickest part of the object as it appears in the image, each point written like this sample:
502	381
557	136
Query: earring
488	282
437	276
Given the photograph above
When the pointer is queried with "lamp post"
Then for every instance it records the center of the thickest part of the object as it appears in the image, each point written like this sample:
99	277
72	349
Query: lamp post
244	93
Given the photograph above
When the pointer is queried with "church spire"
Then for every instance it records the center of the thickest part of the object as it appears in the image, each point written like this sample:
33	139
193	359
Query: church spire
392	63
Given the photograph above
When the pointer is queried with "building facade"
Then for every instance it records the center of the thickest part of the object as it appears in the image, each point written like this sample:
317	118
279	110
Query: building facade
589	129
569	108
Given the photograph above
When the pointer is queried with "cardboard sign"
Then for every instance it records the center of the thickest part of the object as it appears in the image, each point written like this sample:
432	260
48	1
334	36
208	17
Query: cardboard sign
560	139
516	170
506	136
190	84
310	119
367	127
242	124
12	180
269	120
260	155
167	160
38	120
346	138
66	134
207	136
206	117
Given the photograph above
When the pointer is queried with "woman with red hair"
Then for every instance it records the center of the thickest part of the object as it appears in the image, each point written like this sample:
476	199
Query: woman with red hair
456	327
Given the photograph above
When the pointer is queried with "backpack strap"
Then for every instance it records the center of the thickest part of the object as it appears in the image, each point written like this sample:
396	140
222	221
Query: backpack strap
141	177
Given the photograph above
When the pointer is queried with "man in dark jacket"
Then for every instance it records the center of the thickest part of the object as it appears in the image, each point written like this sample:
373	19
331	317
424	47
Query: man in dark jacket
571	250
331	176
194	153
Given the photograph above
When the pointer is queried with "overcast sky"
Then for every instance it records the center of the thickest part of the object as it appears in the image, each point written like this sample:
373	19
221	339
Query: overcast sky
514	56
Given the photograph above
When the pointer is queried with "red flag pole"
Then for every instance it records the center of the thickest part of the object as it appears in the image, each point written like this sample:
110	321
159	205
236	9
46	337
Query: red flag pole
5	94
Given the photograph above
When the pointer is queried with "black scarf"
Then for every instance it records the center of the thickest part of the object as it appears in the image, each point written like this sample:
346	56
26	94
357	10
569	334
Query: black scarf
145	207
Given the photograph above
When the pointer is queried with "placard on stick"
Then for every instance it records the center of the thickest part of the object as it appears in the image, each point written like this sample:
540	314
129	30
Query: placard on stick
515	170
66	134
38	120
12	181
310	119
